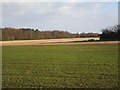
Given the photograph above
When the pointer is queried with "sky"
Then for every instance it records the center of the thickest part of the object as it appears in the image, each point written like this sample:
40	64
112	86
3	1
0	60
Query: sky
71	16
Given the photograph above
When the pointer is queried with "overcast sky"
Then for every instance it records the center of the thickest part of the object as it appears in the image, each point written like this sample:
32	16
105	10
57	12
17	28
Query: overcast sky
66	16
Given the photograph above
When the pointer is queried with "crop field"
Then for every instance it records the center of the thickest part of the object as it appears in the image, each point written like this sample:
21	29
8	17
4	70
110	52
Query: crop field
65	41
65	66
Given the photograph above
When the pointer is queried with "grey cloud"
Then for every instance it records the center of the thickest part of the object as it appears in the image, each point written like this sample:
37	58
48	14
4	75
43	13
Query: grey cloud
73	17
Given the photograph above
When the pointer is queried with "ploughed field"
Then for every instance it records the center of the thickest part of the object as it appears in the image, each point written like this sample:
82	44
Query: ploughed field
67	66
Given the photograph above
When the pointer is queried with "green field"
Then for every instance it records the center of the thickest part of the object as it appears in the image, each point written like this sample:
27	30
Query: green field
73	66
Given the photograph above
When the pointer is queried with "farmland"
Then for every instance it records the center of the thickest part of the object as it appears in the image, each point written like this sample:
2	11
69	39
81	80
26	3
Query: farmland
64	66
63	41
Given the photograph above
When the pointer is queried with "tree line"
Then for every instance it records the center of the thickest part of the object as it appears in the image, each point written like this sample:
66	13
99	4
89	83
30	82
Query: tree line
110	33
34	34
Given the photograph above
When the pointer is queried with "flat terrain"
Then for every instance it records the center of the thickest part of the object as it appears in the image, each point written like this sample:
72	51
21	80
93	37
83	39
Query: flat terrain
66	66
64	41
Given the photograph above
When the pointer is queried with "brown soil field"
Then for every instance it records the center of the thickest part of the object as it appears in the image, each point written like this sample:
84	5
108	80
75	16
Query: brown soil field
64	41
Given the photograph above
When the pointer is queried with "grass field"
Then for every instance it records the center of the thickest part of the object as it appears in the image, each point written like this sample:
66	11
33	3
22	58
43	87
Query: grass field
73	66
